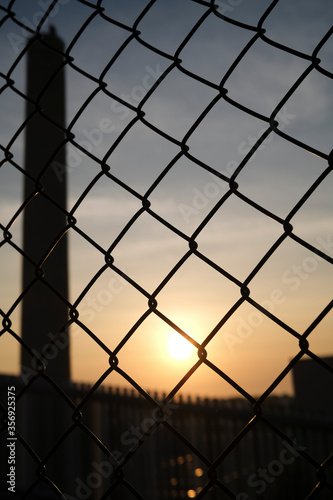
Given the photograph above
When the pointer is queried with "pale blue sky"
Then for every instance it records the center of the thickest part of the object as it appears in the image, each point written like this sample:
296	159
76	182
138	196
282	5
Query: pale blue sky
238	235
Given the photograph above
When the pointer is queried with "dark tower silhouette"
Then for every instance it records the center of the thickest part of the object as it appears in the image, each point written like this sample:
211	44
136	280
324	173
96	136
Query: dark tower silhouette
44	313
44	415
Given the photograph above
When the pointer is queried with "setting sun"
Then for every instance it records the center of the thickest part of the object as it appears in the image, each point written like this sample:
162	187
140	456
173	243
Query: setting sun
179	348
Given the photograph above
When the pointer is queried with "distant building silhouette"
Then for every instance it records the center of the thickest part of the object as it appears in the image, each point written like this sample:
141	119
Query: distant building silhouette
44	312
313	393
69	449
44	306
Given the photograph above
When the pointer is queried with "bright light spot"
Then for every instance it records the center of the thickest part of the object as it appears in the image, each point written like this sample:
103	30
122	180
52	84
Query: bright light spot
198	472
180	460
191	494
179	348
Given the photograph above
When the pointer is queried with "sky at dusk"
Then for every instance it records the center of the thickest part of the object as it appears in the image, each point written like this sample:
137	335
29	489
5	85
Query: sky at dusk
294	284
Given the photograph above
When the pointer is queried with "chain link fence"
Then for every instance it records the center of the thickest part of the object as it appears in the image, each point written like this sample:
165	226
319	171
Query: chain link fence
81	441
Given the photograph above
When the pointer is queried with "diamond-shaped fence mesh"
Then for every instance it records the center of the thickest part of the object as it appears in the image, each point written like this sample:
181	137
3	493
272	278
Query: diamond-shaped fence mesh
186	173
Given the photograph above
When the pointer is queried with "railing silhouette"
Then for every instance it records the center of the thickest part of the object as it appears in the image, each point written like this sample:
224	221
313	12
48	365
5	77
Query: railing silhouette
75	441
262	465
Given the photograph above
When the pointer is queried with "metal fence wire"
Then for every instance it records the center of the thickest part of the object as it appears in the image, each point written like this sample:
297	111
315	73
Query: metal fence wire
203	449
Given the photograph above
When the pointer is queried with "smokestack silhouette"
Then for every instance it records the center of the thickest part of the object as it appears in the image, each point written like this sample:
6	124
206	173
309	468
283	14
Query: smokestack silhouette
44	312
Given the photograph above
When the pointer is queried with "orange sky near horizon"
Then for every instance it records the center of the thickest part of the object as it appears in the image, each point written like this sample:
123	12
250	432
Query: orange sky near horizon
294	284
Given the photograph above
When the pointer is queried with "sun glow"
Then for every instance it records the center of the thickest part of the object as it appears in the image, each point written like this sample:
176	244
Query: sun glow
179	348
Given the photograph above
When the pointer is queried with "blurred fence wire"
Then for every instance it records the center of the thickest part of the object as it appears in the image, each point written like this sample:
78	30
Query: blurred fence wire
209	440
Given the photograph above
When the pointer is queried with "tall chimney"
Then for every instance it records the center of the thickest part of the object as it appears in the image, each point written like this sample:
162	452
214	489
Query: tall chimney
44	312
